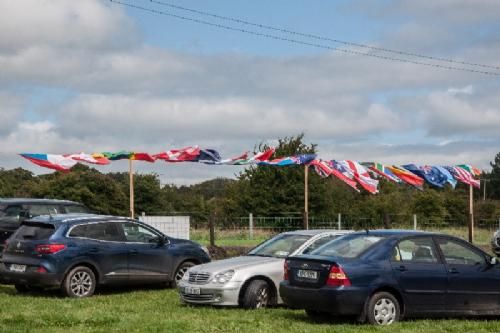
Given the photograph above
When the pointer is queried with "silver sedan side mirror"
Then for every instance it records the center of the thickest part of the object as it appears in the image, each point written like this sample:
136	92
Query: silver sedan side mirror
493	261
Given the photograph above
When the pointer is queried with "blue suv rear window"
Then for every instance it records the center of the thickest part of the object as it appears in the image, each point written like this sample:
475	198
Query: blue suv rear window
35	231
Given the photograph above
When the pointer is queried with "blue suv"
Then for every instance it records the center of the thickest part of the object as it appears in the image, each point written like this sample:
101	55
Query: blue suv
78	252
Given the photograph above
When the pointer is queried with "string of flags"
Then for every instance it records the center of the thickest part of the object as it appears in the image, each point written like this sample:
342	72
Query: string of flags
352	173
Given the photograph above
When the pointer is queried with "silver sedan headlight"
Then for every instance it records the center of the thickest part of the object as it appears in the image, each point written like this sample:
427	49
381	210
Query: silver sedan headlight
223	277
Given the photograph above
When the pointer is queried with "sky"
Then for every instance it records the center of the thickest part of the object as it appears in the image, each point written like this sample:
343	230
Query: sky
93	75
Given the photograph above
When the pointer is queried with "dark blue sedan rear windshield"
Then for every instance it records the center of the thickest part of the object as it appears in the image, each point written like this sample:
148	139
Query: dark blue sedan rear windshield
350	246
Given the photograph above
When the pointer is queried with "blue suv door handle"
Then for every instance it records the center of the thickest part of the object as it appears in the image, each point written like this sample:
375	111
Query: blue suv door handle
402	268
133	252
453	270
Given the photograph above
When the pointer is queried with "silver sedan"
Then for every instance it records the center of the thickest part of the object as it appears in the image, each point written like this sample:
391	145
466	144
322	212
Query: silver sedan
250	281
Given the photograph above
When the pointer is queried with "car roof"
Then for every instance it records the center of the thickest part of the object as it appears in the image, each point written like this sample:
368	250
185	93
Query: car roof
75	218
313	232
36	201
396	232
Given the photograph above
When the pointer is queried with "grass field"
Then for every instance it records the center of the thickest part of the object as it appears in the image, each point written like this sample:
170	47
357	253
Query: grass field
159	310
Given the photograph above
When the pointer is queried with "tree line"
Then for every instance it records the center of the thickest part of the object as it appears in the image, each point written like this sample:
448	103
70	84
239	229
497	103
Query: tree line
261	190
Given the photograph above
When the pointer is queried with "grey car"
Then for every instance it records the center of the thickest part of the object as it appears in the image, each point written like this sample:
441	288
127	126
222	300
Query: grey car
250	281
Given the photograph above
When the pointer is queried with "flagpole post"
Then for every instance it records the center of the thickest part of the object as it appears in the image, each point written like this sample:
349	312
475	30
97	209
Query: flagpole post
131	187
306	197
471	214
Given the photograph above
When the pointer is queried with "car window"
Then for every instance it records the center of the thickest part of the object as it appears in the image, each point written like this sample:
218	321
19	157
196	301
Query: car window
12	211
75	209
319	242
34	231
36	210
456	253
349	246
138	234
106	231
419	249
280	246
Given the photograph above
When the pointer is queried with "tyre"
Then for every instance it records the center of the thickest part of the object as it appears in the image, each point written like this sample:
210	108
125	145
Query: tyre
179	273
383	309
257	295
79	282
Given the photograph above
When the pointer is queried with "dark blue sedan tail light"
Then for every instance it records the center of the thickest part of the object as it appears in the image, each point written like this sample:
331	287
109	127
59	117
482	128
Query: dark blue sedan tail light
337	277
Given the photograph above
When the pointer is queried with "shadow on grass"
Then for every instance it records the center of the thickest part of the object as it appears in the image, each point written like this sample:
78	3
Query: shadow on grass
318	319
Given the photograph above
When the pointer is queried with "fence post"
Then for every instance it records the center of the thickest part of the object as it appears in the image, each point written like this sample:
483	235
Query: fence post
414	221
340	221
250	225
212	230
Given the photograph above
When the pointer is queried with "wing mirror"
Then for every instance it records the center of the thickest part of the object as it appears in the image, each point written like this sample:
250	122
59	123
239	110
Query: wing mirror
24	215
493	261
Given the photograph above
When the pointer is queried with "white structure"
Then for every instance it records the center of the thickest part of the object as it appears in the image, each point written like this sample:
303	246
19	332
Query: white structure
173	226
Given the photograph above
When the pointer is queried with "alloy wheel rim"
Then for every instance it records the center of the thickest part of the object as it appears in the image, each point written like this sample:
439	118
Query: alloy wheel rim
384	311
262	298
81	283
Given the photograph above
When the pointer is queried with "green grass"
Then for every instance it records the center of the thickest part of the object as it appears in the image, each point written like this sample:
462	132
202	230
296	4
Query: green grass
159	310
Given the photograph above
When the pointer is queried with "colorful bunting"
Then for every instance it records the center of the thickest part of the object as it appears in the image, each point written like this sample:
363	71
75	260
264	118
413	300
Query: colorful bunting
121	155
325	169
291	160
89	158
179	155
463	176
360	174
142	157
382	170
431	174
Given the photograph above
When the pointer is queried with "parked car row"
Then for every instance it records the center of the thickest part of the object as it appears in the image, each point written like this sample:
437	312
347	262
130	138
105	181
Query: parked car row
378	276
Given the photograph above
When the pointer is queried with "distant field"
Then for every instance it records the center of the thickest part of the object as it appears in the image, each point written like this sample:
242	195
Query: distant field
159	310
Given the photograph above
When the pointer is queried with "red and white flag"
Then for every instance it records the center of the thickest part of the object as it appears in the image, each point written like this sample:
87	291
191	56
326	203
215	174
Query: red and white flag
360	173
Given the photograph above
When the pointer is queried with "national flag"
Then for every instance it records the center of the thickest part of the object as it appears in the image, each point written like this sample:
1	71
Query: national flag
325	169
121	155
290	160
407	176
179	155
382	170
208	156
464	176
89	158
142	157
101	158
51	161
432	175
449	178
361	175
262	156
474	171
242	159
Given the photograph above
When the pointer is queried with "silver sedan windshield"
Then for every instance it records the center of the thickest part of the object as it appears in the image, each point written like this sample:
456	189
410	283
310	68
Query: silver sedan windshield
279	246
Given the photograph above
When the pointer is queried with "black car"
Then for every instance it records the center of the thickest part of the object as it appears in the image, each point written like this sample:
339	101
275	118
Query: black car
383	276
14	211
78	252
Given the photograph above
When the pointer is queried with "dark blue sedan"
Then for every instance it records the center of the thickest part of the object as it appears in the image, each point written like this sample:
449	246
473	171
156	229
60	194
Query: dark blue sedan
79	252
383	276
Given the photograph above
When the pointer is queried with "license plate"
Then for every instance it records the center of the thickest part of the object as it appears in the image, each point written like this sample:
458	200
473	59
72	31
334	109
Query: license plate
18	268
307	274
192	290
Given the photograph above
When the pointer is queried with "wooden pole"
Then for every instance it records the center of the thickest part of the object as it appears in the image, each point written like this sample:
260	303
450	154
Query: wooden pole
306	197
471	214
131	187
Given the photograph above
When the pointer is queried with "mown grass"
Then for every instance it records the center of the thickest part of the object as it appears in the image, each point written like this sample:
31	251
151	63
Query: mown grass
159	310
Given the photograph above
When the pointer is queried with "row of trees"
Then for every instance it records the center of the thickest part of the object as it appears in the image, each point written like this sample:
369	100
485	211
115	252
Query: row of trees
262	190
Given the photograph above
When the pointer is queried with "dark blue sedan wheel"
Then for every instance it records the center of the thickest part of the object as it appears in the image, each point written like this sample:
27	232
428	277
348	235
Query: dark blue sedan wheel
383	309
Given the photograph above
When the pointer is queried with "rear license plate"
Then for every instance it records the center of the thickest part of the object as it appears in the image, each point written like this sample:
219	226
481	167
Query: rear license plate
307	274
17	268
192	290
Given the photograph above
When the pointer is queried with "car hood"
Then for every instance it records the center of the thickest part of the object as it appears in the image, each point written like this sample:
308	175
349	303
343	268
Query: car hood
236	263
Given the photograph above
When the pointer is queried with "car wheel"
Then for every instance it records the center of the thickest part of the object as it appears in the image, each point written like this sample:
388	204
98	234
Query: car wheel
181	270
257	295
383	309
79	282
